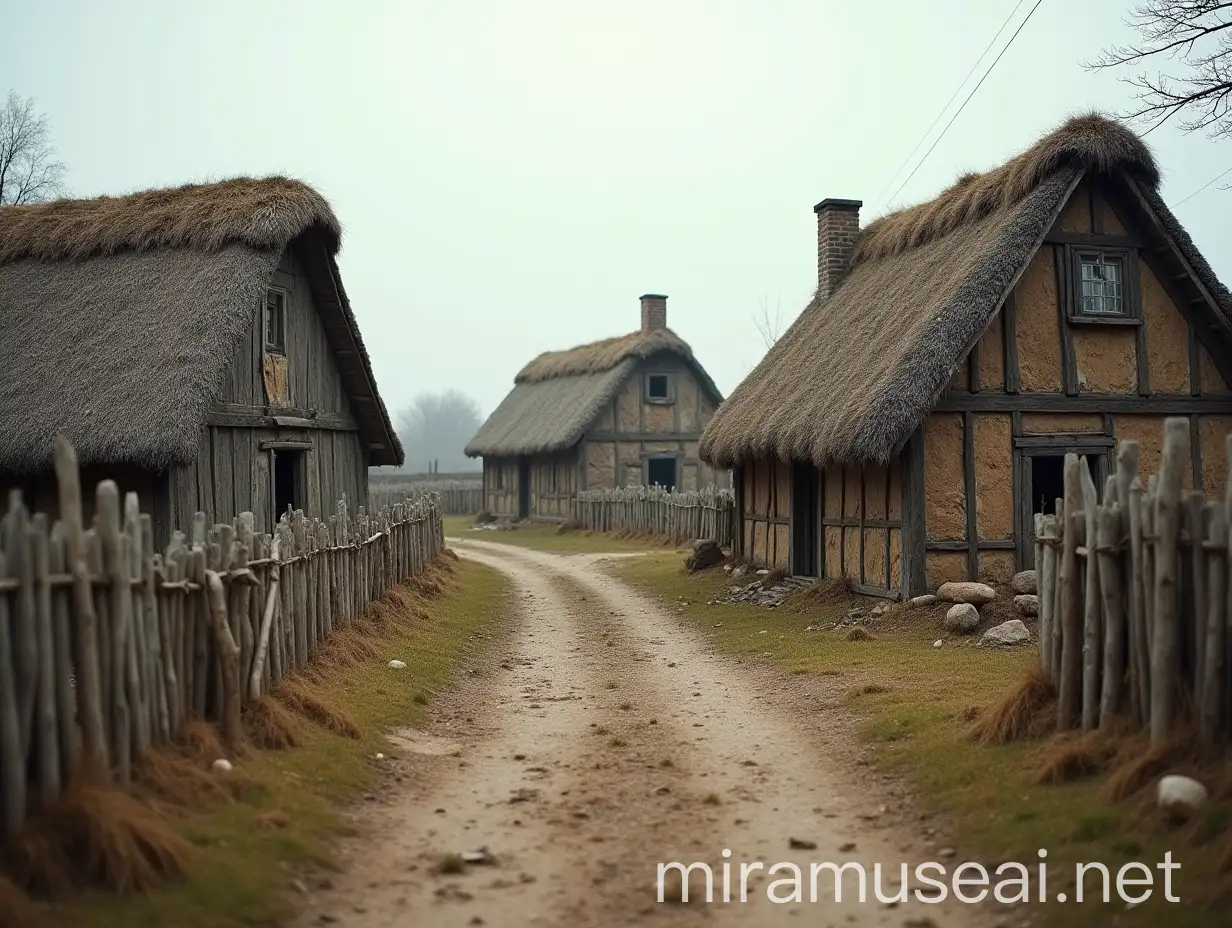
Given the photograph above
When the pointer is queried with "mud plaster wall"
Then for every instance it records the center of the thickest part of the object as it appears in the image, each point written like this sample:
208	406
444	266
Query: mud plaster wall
896	559
1213	432
1106	358
765	488
992	356
600	465
996	566
943	566
1050	423
858	495
1211	381
994	477
874	557
1148	431
1076	217
1038	327
961	379
1167	337
944	504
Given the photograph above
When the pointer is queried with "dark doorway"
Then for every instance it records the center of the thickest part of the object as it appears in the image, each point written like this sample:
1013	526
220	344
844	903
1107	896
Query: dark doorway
1047	482
805	519
288	482
661	472
523	488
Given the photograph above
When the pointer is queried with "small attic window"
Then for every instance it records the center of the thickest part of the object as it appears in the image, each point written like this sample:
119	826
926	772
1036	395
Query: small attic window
276	320
1104	286
659	388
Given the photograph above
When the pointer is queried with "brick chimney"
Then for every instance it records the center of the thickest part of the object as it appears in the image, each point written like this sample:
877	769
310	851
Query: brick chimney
654	311
838	225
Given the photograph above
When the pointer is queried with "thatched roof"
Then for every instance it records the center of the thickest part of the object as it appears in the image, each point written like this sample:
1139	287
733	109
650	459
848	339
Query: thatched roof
119	316
558	394
855	374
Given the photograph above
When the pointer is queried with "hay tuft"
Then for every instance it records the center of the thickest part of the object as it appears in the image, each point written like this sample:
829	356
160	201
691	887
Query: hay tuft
271	726
174	775
305	699
1076	756
1018	714
16	908
859	634
1141	763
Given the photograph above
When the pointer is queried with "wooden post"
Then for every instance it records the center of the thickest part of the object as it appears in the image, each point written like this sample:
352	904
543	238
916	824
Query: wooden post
46	714
1164	613
1046	587
85	638
12	756
24	623
115	566
1211	696
1108	548
1069	677
1195	522
1061	529
267	624
229	660
1092	651
66	712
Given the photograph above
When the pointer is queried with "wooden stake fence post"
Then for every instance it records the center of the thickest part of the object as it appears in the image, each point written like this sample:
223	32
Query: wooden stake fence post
267	623
229	660
1092	652
46	715
1115	628
1069	677
1211	695
1164	613
12	756
1195	524
1047	579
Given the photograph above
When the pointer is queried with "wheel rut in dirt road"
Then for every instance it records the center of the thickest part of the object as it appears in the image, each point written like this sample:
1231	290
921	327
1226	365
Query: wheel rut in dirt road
557	762
757	762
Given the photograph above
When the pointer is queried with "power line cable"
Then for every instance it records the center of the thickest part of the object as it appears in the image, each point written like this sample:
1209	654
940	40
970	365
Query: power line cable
953	97
1203	187
966	101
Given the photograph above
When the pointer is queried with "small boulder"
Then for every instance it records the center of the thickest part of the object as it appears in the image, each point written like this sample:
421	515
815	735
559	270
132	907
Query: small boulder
977	594
397	665
962	618
939	642
1025	582
926	600
1007	633
706	553
737	573
1027	604
222	765
1180	796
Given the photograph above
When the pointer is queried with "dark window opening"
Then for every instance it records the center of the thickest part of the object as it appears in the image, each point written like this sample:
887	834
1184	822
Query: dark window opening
500	476
276	320
661	472
1047	482
287	484
658	387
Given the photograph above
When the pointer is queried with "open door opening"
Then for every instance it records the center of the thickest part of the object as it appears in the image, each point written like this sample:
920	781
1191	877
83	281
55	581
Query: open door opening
288	482
661	472
805	520
523	488
1047	482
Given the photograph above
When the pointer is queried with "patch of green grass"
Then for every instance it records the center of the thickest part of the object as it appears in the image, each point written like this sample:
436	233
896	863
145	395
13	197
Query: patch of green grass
547	537
247	851
913	699
451	864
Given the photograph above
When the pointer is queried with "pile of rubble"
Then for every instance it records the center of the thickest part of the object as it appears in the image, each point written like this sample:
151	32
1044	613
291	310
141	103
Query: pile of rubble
757	594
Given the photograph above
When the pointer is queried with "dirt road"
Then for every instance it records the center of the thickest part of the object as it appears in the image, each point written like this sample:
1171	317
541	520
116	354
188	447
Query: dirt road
610	738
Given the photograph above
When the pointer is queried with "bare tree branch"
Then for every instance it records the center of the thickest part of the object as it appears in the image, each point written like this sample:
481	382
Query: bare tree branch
1196	36
769	326
29	172
435	428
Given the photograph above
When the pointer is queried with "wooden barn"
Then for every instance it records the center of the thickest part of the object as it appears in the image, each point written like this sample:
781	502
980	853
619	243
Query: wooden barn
907	426
195	344
622	411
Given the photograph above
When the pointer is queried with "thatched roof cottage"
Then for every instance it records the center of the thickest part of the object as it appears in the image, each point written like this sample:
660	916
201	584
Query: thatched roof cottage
622	411
907	426
195	344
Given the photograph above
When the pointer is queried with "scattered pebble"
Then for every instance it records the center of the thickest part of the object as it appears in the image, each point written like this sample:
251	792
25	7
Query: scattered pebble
397	665
802	844
222	765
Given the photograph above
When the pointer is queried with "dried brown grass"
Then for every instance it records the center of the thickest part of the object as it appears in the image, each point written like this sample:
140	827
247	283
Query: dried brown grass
566	528
271	726
304	698
17	910
1018	714
859	634
824	593
1076	755
1141	762
97	835
603	355
172	775
776	576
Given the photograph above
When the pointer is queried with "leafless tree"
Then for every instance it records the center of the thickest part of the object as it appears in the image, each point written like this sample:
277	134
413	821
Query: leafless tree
435	428
769	325
29	171
1196	37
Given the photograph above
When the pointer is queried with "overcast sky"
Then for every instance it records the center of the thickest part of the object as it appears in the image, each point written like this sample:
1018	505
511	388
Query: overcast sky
511	176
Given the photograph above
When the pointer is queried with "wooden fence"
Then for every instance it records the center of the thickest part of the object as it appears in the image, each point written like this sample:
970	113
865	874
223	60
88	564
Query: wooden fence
108	647
454	497
1134	596
679	516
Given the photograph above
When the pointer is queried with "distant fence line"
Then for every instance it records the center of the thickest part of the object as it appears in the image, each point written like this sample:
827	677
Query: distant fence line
680	516
454	497
1134	596
108	647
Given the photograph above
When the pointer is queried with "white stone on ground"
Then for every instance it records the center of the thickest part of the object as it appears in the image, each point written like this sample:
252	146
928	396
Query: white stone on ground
1180	795
397	665
926	600
1027	604
1025	582
977	594
962	618
1011	632
222	765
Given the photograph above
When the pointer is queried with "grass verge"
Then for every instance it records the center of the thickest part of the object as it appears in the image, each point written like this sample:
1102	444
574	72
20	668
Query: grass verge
918	702
246	852
551	537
